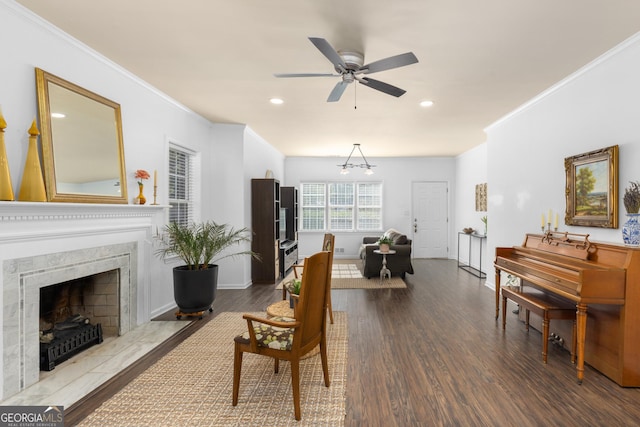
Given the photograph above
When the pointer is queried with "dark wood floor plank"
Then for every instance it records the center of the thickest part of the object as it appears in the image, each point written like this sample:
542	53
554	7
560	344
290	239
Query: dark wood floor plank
433	354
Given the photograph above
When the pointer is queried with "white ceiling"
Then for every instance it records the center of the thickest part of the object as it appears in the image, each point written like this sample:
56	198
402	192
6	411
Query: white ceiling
479	60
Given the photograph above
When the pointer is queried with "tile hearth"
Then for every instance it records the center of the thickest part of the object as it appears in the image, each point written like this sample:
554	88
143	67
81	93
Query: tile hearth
78	376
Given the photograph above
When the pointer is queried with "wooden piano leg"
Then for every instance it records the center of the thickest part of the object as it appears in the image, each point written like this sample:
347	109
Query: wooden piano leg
545	336
581	320
497	293
504	312
573	343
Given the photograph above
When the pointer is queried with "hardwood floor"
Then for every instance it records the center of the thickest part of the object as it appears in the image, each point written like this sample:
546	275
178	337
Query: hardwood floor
433	355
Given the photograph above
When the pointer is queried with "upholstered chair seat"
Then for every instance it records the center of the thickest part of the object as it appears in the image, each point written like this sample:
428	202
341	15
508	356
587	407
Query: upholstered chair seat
270	336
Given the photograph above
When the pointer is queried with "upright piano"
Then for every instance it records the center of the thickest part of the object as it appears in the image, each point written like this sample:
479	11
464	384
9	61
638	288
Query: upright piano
603	279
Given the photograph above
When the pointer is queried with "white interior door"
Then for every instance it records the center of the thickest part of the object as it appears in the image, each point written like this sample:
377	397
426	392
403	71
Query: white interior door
430	220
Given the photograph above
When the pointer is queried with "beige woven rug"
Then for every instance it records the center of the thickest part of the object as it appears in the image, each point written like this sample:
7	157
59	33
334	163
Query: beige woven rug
192	385
348	276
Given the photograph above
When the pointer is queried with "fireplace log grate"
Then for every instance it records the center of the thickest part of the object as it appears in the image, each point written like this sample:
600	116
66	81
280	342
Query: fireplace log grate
67	344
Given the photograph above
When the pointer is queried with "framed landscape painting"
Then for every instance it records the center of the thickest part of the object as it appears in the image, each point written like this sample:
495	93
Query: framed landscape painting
592	188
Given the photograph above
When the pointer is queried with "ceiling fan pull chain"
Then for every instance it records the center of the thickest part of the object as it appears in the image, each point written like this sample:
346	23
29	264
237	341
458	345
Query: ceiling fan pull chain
355	97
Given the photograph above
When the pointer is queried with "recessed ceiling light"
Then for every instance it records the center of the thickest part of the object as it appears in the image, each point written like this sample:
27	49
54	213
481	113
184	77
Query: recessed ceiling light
58	115
426	103
276	101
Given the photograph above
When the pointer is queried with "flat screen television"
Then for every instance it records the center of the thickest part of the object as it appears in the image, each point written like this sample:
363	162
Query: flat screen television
283	225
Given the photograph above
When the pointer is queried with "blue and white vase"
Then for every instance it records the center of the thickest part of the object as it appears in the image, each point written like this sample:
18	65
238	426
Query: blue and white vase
631	230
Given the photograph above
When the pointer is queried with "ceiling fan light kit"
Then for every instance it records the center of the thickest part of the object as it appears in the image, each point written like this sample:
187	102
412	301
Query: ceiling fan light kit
349	66
344	167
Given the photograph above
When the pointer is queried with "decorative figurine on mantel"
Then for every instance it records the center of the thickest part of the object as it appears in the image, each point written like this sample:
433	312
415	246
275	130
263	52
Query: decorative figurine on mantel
32	186
6	188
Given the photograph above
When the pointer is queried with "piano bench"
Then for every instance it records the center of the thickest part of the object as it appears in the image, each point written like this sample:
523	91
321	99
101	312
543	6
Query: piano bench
545	306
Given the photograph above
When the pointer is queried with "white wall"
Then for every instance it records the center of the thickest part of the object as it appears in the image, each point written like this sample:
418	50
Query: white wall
594	108
149	118
471	169
397	176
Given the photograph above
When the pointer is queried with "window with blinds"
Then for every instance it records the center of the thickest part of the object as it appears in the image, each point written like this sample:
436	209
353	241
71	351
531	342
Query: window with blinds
341	206
181	176
313	206
369	202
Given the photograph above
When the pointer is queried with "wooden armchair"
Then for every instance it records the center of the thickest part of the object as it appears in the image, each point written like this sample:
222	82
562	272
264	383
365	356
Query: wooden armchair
282	338
328	244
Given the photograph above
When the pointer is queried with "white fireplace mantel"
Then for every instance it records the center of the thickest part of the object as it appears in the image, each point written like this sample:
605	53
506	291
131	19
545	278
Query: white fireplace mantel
41	241
34	220
45	211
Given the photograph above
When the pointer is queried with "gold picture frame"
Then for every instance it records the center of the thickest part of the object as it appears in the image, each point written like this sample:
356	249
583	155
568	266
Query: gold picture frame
82	144
592	188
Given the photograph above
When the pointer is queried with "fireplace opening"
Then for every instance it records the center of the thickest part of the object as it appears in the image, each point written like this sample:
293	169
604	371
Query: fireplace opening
76	315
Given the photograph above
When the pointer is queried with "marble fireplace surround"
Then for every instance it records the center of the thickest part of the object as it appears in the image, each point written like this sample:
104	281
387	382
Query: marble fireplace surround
42	244
23	278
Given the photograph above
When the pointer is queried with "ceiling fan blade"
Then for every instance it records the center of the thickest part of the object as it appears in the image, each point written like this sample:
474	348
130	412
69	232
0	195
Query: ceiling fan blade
382	87
280	75
389	63
328	51
337	91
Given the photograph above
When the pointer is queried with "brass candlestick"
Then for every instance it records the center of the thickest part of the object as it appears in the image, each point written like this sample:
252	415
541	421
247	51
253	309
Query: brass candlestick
155	194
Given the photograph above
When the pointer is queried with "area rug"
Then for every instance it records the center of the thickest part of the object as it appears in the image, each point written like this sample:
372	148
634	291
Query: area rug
345	271
338	270
192	385
348	276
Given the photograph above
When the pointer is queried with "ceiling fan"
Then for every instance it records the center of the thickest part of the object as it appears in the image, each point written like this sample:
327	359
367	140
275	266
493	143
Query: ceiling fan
349	66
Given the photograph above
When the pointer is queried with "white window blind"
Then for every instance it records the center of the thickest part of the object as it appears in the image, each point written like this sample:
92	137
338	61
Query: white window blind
369	206
313	204
341	206
181	186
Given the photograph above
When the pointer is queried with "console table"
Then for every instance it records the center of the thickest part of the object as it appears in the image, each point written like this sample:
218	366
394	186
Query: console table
468	267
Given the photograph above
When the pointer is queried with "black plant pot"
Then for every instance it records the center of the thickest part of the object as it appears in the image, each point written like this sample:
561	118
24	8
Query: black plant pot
195	290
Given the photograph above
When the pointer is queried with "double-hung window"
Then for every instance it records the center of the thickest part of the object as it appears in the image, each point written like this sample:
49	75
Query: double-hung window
341	206
182	172
313	198
369	206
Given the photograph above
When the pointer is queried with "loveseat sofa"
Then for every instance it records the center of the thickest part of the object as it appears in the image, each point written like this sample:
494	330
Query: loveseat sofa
399	263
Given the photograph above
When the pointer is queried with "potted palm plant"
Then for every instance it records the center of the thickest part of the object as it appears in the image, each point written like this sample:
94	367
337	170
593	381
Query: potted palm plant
199	246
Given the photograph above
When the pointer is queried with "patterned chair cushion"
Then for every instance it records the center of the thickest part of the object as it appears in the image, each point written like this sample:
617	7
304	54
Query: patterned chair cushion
271	336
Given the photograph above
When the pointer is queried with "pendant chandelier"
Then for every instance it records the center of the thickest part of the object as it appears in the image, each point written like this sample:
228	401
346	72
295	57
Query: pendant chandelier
347	165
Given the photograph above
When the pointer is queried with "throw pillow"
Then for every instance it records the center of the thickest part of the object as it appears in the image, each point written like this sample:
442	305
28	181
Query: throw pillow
401	240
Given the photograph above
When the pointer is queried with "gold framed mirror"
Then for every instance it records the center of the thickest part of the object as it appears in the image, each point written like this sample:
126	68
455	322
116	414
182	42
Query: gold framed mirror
82	146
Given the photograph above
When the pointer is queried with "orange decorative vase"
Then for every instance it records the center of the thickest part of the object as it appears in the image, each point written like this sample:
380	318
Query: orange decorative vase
141	200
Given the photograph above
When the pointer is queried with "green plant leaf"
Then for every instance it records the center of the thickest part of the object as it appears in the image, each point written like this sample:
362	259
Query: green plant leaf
199	245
